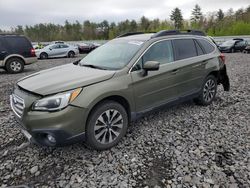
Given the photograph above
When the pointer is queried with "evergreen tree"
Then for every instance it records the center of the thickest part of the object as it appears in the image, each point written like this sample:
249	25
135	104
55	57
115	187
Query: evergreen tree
220	15
177	18
196	14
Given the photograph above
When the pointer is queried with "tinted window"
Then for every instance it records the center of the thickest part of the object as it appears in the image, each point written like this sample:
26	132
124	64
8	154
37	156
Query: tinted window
1	46
18	43
208	48
161	52
198	47
241	43
184	48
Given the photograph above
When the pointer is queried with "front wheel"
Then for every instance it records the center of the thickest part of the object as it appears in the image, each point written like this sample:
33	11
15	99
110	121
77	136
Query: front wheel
44	55
208	92
71	54
106	126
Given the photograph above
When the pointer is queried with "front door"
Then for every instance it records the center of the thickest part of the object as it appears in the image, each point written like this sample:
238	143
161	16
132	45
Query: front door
158	87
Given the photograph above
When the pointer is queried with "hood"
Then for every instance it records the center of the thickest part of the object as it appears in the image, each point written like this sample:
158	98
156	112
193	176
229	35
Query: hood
63	78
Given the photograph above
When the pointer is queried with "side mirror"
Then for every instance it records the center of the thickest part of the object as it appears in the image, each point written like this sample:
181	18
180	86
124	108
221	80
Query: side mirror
150	66
50	48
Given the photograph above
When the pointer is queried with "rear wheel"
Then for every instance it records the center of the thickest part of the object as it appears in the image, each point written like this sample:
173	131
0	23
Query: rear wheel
208	92
44	55
106	126
14	65
71	54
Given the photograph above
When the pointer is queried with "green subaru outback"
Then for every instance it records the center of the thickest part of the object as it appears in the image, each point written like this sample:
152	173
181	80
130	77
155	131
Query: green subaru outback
95	99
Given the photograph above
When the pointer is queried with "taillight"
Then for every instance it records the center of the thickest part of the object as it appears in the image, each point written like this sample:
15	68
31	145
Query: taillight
33	52
223	58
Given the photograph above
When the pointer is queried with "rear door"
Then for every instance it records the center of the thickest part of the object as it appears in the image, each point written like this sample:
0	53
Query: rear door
189	66
64	49
18	45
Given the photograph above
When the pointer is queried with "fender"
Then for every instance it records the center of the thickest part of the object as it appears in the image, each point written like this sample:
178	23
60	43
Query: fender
10	56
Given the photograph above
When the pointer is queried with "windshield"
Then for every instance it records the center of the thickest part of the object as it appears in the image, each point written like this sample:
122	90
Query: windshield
228	43
113	55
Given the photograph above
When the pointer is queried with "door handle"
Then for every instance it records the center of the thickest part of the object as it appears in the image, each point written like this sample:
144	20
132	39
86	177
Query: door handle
175	71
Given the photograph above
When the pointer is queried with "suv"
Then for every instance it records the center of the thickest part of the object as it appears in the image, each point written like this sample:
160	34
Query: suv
94	99
16	51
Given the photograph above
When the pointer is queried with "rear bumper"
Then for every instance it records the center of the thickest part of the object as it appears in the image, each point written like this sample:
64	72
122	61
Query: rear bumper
30	60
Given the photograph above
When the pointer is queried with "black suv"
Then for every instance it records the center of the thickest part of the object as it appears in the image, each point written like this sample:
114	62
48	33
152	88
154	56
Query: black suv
16	51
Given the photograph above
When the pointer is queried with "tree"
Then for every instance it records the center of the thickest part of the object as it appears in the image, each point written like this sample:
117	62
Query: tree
196	14
144	23
177	18
220	15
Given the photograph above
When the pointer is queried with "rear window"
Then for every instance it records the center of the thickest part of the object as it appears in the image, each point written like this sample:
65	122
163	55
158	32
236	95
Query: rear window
207	47
184	48
198	47
18	43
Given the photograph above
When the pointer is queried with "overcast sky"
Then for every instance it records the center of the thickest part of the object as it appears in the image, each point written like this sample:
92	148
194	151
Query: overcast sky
30	12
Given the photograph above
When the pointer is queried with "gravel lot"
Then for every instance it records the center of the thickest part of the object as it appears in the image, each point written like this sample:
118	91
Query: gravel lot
182	146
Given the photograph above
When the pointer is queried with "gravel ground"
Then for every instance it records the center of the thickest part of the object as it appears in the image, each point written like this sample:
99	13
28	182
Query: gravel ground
181	146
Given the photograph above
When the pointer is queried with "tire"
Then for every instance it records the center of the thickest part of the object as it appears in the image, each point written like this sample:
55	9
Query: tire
232	50
208	91
101	134
71	54
14	65
44	55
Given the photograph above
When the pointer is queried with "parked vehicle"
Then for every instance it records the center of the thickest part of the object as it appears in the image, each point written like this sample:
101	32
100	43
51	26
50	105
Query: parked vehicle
86	47
57	50
233	45
16	51
95	98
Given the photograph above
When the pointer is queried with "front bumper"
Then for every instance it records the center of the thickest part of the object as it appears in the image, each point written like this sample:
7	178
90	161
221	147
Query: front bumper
66	126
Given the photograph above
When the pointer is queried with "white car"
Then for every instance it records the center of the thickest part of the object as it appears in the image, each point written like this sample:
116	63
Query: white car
57	50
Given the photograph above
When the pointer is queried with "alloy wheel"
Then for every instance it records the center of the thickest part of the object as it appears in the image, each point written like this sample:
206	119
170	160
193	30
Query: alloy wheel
209	90
15	66
108	126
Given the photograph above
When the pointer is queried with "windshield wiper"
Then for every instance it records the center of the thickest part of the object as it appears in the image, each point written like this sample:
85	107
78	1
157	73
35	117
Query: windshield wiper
93	66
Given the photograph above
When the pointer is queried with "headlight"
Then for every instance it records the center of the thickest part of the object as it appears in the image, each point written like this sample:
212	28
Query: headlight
56	102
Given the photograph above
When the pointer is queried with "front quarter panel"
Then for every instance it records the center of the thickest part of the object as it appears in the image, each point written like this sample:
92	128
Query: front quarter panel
116	86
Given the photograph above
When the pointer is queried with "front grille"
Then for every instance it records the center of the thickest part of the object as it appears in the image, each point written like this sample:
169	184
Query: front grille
17	105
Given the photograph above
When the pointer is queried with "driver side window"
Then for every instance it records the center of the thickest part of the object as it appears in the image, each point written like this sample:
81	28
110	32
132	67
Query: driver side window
161	52
56	46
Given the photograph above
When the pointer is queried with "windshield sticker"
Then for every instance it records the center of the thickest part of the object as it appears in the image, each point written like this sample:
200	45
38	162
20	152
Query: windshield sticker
136	42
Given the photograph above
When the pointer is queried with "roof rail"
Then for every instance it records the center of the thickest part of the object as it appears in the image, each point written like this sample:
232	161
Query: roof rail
129	34
178	32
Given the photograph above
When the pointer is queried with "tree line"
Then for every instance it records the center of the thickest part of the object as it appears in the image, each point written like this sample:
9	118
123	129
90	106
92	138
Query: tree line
215	24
